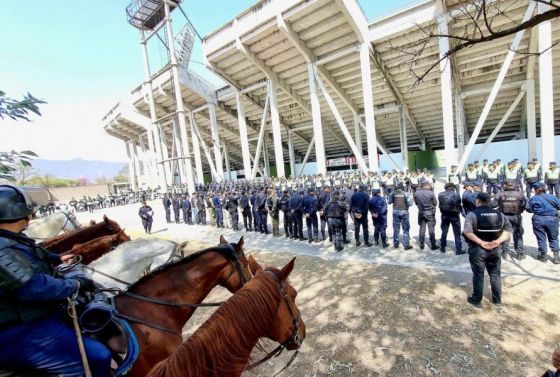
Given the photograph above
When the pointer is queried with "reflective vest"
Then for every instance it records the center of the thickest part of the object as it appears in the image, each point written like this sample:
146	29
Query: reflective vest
511	175
531	173
414	180
390	181
472	175
552	175
493	175
454	178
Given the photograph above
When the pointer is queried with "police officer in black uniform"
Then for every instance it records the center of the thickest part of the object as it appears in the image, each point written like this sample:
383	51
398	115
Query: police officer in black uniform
285	208
426	202
450	208
296	208
322	200
232	207
359	206
246	211
512	204
186	207
486	229
334	211
166	206
175	202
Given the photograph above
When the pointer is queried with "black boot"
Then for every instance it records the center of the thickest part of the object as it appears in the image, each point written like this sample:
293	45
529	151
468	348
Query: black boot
542	257
556	259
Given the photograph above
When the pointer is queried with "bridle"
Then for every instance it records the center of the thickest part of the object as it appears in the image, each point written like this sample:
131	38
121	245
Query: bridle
294	339
237	268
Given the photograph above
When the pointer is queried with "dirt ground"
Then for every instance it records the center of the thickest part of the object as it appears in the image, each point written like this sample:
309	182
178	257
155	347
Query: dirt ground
376	320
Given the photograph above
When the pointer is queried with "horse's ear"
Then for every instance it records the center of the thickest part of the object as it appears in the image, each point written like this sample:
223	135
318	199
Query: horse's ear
254	266
223	240
283	275
105	219
239	245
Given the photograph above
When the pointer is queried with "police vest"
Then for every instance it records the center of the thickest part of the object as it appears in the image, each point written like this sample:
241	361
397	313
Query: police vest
446	204
492	175
472	175
510	203
284	205
454	178
552	175
531	175
375	184
399	201
414	180
390	181
16	311
511	175
335	210
489	224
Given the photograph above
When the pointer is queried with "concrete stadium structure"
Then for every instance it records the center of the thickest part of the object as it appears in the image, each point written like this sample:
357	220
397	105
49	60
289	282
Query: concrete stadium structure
312	80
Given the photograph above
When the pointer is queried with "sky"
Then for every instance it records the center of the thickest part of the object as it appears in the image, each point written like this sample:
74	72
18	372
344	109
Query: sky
82	57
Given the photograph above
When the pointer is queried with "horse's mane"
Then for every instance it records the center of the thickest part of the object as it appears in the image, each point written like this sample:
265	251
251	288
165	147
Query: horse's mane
221	344
95	248
226	250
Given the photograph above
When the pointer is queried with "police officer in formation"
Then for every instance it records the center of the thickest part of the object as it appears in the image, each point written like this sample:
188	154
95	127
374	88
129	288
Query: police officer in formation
166	207
485	230
545	209
426	202
310	213
246	211
378	210
450	208
359	207
175	202
512	204
401	201
334	211
285	208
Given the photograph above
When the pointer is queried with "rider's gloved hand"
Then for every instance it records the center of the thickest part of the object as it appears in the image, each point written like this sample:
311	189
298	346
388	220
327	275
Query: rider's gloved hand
86	285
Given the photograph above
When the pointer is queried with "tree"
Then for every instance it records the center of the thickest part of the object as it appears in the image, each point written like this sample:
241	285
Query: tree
24	173
83	181
101	180
475	22
122	175
17	110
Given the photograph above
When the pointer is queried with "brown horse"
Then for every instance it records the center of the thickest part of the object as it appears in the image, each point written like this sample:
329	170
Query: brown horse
98	247
265	307
65	242
158	326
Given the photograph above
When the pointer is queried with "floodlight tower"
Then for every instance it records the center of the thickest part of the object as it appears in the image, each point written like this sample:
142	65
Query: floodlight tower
151	17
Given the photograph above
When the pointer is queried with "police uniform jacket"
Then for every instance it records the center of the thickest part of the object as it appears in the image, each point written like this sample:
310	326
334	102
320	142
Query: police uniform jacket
544	205
244	202
309	204
296	203
185	204
359	203
425	200
449	202
511	202
378	205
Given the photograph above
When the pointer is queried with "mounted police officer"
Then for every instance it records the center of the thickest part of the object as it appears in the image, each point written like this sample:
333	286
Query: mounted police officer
378	210
359	206
401	201
512	204
166	205
285	208
334	211
544	208
246	211
426	202
34	335
486	229
450	208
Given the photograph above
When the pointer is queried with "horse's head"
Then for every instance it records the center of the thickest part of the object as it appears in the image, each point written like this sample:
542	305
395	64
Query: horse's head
238	274
111	225
288	328
122	237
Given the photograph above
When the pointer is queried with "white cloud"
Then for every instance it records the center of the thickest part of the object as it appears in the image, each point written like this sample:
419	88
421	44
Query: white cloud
65	131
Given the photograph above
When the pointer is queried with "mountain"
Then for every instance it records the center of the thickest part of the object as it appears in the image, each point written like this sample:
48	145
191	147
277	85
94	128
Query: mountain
77	168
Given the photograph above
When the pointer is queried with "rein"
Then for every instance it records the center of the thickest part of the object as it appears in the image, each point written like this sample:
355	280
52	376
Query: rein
295	338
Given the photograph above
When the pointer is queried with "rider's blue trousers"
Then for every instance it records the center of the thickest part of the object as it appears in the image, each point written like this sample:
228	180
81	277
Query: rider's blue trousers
49	345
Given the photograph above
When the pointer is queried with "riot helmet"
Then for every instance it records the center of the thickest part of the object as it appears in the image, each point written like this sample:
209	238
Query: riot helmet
15	203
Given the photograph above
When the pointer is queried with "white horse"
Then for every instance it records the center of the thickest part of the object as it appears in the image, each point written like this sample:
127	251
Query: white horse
132	259
52	225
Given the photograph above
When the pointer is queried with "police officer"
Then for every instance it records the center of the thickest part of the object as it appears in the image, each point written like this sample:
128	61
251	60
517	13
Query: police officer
544	208
454	177
322	200
253	201
486	229
273	205
262	212
401	201
334	211
232	208
166	206
246	211
215	210
378	210
552	179
201	207
512	204
532	175
296	208
426	202
147	215
285	208
471	174
194	207
469	199
512	175
186	207
175	202
34	334
359	207
310	213
450	208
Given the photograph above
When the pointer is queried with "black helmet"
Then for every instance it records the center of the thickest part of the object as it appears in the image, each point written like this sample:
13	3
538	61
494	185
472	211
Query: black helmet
15	203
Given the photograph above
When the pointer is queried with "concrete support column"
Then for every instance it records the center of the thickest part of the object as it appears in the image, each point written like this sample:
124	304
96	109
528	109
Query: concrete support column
178	98
276	131
179	164
317	123
446	93
546	90
367	89
358	134
154	151
161	139
243	135
291	153
531	119
216	141
226	160
461	123
266	158
196	151
136	156
404	141
131	166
